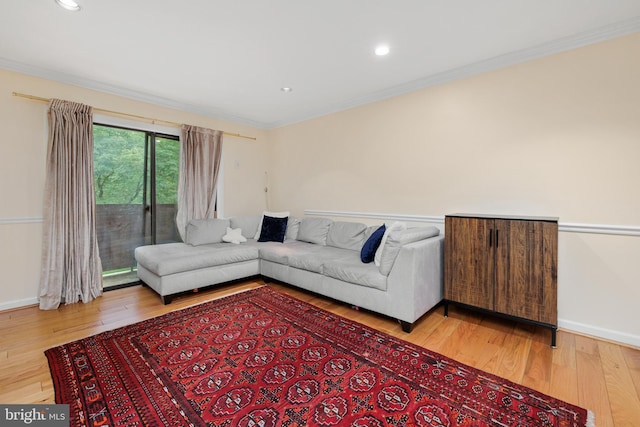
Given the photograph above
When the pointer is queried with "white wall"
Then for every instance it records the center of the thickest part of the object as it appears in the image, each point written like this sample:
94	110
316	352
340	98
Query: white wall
556	136
23	144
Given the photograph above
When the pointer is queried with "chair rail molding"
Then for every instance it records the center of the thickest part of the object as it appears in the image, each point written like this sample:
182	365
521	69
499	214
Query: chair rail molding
567	227
21	220
371	215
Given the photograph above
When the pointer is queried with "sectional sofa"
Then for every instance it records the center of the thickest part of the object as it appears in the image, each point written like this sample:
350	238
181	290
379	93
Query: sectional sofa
404	281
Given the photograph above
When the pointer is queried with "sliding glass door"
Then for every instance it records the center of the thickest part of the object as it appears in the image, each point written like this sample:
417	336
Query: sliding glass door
136	185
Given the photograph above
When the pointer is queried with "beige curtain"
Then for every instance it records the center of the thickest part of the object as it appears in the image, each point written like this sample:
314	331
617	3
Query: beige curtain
200	154
71	267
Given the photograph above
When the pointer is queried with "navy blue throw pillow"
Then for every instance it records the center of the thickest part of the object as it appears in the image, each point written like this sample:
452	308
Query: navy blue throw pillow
273	229
370	247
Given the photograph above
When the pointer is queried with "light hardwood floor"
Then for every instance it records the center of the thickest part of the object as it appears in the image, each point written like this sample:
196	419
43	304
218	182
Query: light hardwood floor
598	375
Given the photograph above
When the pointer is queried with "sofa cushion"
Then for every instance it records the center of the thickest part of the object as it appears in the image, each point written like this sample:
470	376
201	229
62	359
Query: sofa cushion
346	235
170	258
314	230
206	231
278	252
397	238
248	225
314	257
368	252
293	225
352	270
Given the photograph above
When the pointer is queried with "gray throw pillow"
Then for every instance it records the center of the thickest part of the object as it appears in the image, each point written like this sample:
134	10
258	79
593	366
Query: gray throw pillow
292	228
314	230
346	235
206	231
248	224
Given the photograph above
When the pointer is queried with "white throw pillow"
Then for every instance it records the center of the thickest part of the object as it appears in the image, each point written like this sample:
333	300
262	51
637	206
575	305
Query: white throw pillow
397	239
234	235
396	226
272	215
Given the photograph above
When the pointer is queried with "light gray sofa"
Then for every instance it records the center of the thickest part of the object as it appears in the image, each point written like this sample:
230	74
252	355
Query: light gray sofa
318	254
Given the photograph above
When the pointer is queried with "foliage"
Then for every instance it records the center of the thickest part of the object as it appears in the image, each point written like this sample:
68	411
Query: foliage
119	166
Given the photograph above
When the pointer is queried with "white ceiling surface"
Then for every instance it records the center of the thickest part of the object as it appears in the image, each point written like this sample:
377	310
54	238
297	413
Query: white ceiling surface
229	59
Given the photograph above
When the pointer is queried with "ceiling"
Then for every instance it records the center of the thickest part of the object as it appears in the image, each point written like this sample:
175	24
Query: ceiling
230	59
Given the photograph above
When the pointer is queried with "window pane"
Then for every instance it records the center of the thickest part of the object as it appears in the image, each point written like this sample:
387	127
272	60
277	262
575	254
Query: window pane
118	165
167	165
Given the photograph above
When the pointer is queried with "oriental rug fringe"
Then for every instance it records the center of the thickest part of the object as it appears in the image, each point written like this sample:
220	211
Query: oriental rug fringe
262	358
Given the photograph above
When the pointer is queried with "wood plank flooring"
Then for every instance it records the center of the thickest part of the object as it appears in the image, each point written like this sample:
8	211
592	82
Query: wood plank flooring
598	375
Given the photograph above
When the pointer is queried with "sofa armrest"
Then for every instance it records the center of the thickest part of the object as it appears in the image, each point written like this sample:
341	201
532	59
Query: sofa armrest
416	281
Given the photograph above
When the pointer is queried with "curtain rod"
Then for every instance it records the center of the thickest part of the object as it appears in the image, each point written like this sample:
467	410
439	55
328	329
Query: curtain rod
154	121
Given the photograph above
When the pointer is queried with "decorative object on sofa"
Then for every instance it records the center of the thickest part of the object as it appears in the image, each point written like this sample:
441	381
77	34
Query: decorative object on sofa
396	239
262	356
396	226
273	229
283	214
504	264
200	154
234	235
406	285
368	252
71	267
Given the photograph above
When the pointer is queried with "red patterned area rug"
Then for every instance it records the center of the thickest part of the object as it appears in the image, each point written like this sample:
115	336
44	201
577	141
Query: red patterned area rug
262	358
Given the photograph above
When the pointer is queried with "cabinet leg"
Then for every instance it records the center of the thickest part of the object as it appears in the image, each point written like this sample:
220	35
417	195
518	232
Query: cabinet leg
446	308
406	326
553	337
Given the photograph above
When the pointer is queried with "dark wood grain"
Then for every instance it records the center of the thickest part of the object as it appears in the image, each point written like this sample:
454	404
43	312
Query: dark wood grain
525	270
503	264
469	261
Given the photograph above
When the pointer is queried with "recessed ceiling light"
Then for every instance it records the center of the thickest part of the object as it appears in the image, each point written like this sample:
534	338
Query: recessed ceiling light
382	50
69	5
286	89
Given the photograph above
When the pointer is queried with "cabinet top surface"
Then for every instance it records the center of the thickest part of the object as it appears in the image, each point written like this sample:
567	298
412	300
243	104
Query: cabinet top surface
516	217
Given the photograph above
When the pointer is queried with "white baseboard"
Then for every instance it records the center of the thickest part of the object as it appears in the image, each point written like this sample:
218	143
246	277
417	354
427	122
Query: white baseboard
597	332
18	303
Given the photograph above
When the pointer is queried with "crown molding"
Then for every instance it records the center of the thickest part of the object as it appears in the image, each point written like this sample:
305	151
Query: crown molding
614	30
82	82
608	32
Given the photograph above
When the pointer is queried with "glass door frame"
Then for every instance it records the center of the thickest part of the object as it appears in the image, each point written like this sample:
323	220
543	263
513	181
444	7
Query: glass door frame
149	194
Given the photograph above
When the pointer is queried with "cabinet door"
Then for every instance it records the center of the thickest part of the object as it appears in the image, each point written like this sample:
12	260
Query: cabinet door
526	263
469	261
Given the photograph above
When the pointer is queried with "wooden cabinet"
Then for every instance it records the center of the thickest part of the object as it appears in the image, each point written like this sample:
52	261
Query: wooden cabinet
504	265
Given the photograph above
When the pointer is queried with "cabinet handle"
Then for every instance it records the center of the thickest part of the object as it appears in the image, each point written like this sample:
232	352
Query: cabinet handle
490	237
497	238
